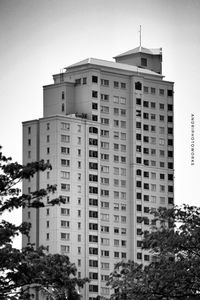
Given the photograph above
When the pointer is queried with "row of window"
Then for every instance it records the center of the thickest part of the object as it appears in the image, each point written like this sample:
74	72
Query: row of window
152	140
154	152
152	90
116	171
153	199
146	186
116	100
106	146
105	82
152	117
116	182
147	198
116	123
106	110
63	126
153	175
152	128
154	163
153	105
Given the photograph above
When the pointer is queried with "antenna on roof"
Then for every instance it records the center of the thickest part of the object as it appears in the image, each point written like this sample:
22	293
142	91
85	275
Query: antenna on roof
140	36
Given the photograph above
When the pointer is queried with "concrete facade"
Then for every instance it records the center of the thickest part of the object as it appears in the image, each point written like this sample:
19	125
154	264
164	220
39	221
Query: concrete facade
107	131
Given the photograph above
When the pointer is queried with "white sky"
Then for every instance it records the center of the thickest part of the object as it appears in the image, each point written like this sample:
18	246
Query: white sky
38	38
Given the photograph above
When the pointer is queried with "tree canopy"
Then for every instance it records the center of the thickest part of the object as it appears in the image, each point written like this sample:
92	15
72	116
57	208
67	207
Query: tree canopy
27	270
174	270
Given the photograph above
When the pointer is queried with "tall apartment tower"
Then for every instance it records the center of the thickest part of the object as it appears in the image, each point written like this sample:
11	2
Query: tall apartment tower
107	130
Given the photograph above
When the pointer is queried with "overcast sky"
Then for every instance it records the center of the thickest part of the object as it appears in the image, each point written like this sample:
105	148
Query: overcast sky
40	37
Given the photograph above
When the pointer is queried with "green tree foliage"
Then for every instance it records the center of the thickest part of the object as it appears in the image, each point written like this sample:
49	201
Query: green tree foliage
174	270
29	269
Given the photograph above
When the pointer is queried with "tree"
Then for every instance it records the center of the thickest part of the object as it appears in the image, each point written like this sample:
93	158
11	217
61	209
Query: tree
174	271
22	271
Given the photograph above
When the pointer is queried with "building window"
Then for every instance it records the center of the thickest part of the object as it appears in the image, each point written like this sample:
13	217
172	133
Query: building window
170	107
104	169
146	257
64	224
65	150
123	85
123	112
84	80
170	142
104	204
65	138
116	111
104	109
162	188
104	97
93	190
123	124
116	84
138	86
162	118
104	121
105	266
94	106
94	118
94	79
143	62
105	82
105	145
94	94
170	130
29	154
146	197
161	92
93	263
104	156
65	187
169	93
116	123
93	202
78	81
65	162
65	211
93	130
93	142
170	119
162	142
146	89
161	106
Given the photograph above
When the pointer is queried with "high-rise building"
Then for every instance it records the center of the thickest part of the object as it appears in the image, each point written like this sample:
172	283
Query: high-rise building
107	131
